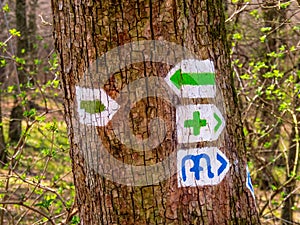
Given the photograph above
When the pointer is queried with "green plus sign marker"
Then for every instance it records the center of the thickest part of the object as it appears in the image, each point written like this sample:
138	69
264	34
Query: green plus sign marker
196	123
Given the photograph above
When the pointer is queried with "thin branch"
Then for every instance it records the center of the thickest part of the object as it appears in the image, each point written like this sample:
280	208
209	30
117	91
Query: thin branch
28	207
44	22
237	12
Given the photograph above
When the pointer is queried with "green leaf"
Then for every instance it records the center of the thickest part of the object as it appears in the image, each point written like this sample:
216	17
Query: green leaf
274	188
55	83
41	118
3	63
284	5
296	28
263	38
45	203
49	152
246	132
30	113
37	61
52	126
14	32
274	202
254	13
267	144
11	88
283	106
75	220
237	36
6	8
283	194
282	48
293	48
245	76
20	60
265	29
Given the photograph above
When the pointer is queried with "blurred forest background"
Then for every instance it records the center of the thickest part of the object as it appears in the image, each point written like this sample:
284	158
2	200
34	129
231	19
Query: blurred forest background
36	183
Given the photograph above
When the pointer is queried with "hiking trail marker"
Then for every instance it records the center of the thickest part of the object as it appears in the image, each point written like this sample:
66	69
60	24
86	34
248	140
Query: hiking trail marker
195	123
190	78
249	182
94	106
193	78
201	166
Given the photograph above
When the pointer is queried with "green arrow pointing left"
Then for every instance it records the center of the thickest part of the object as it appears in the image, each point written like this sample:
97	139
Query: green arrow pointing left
179	78
92	106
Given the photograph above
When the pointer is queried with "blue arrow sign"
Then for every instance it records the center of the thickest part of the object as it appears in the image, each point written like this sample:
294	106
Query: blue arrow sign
201	166
249	182
223	162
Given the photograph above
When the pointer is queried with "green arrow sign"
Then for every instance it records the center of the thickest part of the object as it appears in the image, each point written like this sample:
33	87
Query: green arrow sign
218	119
195	79
92	106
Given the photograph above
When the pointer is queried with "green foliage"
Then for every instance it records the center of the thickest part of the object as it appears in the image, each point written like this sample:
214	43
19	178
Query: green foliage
266	60
75	220
237	36
6	8
14	32
45	203
37	173
284	5
265	29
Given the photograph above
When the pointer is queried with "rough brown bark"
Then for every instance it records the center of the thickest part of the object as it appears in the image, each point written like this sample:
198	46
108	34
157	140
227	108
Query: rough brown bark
85	30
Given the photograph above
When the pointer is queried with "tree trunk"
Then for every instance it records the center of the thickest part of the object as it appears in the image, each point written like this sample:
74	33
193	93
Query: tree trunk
289	190
111	188
3	153
292	170
16	116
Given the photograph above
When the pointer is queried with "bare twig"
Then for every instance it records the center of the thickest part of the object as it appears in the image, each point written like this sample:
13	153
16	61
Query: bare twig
237	12
20	203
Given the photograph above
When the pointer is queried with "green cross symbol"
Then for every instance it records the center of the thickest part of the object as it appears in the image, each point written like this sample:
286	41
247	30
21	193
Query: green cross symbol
196	123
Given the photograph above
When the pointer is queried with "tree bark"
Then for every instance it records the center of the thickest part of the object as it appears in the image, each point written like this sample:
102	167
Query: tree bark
84	31
287	212
3	152
16	116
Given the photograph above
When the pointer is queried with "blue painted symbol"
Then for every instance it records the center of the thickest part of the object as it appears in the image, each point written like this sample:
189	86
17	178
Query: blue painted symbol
223	164
197	168
201	166
249	182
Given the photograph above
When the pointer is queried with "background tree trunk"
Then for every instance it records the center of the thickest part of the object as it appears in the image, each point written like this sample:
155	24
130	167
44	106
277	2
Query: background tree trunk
87	30
3	153
292	169
16	116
